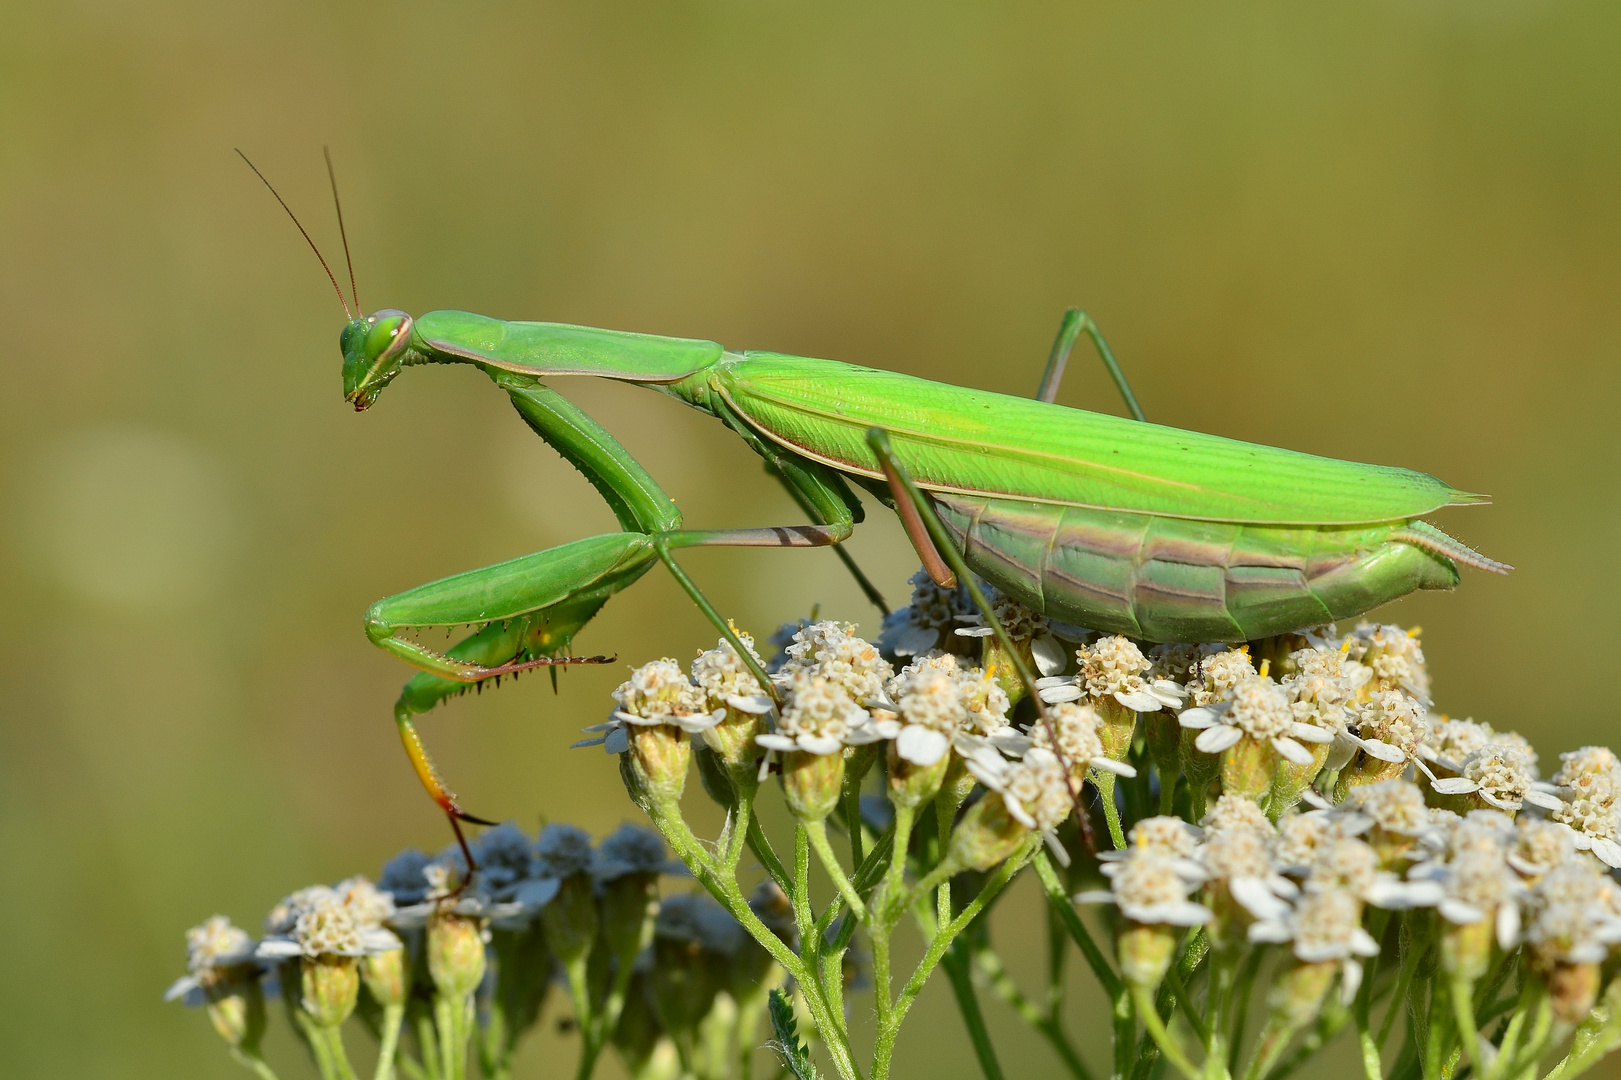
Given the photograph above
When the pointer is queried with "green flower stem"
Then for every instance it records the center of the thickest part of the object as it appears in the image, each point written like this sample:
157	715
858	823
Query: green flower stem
852	817
689	849
315	1037
1407	958
427	1044
890	1019
1047	1026
1143	998
1508	1048
1243	992
255	1061
1542	1036
1461	991
1105	783
388	1043
737	838
1059	900
955	962
800	896
1057	953
1274	1041
830	863
945	812
1378	920
454	1020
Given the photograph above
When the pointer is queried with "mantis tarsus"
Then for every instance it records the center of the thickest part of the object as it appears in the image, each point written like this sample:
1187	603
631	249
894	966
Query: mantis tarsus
1113	524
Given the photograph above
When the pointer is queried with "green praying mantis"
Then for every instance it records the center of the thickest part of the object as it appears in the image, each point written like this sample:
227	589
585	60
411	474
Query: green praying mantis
1113	524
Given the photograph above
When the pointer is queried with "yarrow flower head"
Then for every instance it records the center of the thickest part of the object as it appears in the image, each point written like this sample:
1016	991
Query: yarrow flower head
1079	744
1395	658
1260	710
731	690
1501	775
1588	783
832	652
215	954
1112	670
820	717
1151	886
1023	626
1217	673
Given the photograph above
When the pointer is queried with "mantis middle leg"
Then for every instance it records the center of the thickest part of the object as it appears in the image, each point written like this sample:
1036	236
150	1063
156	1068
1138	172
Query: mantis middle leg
1074	323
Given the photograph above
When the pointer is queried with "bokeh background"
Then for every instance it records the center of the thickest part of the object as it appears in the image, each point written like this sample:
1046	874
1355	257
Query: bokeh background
1384	230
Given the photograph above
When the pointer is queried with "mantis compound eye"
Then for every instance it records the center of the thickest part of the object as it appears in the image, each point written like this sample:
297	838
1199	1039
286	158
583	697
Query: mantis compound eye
372	349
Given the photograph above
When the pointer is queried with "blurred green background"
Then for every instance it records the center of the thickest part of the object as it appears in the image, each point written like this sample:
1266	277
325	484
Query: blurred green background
1386	231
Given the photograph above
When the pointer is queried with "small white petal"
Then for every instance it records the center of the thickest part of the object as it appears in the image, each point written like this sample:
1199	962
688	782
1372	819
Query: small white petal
920	745
1060	854
1094	896
1542	799
598	741
1017	812
617	741
974	631
820	744
1257	898
1456	911
1168	691
1455	785
1215	740
277	948
1050	655
1054	695
1608	851
1198	718
1350	981
914	639
1268	933
1291	751
1310	733
1119	768
1508	926
1138	701
1340	754
596	729
759	704
1362	943
181	987
773	741
1374	748
1054	680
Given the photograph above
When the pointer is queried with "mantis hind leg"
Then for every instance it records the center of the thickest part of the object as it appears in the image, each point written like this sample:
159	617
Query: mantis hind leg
1074	323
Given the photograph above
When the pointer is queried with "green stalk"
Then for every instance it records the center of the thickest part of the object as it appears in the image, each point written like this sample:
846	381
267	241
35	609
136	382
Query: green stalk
830	863
388	1044
955	963
255	1061
1105	784
891	1017
1144	1001
428	1043
1463	1014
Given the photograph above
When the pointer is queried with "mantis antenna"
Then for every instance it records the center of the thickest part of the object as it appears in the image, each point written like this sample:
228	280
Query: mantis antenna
302	232
331	176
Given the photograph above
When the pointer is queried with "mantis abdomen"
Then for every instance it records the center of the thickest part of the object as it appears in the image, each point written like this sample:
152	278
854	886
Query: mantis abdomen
1169	579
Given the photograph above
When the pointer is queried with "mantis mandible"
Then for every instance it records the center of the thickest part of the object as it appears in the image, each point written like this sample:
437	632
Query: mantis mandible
1114	524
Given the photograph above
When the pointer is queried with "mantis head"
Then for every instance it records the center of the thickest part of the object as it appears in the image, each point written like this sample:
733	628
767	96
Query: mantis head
374	350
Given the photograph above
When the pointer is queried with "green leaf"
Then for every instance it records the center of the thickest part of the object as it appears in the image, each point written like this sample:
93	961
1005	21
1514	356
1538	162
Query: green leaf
795	1055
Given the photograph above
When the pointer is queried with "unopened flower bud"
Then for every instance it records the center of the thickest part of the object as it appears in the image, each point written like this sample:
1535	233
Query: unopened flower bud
570	919
1466	950
655	764
629	903
1145	952
715	776
237	1012
1162	736
1299	992
1119	727
812	783
455	953
911	784
986	836
329	986
387	976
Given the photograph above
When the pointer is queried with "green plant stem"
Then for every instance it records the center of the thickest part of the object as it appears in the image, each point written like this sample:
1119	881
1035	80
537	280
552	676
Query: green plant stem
955	963
1048	1026
1274	1041
1327	1026
945	811
389	1041
1144	1001
1246	986
255	1061
760	844
427	1044
830	863
1105	783
687	847
890	1018
1461	991
1378	921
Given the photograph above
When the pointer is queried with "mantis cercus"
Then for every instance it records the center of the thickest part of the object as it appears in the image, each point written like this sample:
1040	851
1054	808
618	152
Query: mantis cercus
1117	525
